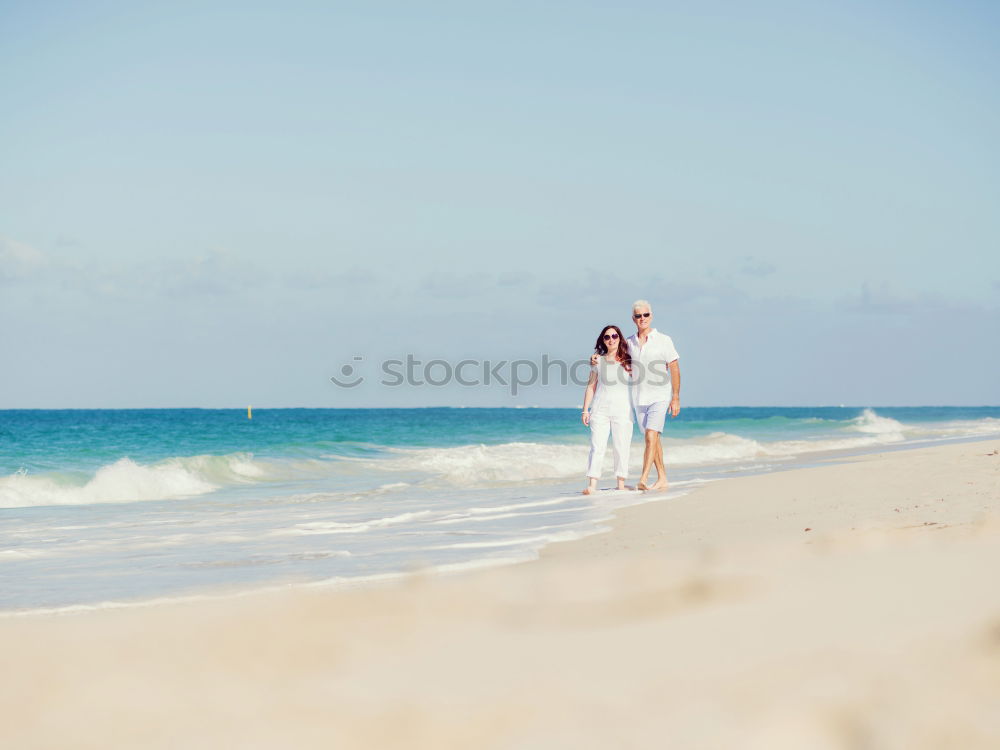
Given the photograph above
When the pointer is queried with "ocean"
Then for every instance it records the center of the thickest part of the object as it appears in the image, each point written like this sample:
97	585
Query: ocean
103	508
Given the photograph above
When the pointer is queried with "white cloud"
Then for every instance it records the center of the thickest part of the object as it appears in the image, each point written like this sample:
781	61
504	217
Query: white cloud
752	266
317	279
211	274
883	300
19	261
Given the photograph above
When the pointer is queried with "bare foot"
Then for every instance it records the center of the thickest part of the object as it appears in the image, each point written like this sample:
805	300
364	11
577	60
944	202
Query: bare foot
641	487
660	486
628	487
588	491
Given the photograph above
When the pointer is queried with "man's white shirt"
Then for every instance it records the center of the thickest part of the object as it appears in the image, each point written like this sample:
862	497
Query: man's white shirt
652	378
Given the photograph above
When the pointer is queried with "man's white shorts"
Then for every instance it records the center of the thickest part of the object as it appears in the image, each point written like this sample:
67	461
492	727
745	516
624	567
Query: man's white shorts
651	416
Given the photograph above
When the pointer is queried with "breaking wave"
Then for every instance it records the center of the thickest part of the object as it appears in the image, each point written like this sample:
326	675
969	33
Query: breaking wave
518	462
514	462
873	424
126	481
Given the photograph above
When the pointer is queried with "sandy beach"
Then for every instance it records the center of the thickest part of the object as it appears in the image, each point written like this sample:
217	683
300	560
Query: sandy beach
849	605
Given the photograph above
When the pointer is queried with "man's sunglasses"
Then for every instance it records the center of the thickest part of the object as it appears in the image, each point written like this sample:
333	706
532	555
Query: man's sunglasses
641	315
609	336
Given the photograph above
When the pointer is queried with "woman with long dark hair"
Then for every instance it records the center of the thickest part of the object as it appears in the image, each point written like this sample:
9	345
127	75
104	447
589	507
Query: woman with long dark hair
607	406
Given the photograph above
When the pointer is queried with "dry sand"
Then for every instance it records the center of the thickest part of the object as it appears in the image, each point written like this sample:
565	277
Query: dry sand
846	606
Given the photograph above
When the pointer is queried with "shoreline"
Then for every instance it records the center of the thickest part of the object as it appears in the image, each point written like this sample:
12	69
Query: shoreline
836	606
689	485
633	516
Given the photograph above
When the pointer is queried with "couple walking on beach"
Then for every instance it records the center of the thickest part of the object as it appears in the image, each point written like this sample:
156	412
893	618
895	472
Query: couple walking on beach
639	374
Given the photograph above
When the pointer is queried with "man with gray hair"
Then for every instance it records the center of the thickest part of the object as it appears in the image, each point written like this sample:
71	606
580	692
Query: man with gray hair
656	388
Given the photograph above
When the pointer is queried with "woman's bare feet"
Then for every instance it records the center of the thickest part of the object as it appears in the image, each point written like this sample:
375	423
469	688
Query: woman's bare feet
660	486
641	487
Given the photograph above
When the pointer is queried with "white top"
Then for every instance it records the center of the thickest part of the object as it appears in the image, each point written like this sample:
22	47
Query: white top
649	367
613	396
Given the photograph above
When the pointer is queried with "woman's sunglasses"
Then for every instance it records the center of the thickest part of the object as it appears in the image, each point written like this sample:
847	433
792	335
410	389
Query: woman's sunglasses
641	315
609	336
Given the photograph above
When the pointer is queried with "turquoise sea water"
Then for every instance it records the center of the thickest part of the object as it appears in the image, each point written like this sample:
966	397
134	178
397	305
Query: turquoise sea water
117	506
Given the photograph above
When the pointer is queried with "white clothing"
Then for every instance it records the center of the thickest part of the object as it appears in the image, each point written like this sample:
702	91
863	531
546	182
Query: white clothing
651	416
650	374
613	395
621	440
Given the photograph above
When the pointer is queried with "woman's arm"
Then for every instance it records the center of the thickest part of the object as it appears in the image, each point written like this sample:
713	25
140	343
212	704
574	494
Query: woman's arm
588	396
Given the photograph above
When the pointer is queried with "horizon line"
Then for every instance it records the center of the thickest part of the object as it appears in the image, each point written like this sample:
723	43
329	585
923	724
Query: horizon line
512	407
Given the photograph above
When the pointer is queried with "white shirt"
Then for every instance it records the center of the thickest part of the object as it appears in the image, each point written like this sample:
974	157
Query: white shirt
613	395
649	367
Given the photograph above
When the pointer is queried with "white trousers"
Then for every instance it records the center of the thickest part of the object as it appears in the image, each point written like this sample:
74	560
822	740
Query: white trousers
620	428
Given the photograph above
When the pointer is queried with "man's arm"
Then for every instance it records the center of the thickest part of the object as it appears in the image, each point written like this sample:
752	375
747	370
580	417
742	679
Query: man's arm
675	385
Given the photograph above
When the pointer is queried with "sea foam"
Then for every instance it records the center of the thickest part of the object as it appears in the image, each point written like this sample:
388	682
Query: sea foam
515	462
126	481
871	423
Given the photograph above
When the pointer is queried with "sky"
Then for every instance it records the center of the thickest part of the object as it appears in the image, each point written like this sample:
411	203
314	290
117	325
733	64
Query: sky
214	204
